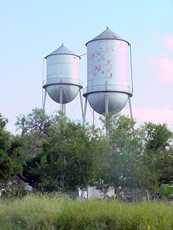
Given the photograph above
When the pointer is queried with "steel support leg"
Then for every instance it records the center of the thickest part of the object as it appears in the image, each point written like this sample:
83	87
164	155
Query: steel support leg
61	99
44	95
85	110
130	108
64	109
106	114
93	119
81	104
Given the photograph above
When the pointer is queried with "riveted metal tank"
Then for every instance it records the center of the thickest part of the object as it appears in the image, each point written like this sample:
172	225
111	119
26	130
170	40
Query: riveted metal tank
108	72
62	77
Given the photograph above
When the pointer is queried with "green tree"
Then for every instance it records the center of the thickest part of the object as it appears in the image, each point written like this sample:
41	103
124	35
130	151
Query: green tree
63	155
35	122
68	157
125	150
156	137
33	129
10	154
157	157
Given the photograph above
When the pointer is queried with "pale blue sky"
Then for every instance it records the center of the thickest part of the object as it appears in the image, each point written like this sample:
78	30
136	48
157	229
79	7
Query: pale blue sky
32	29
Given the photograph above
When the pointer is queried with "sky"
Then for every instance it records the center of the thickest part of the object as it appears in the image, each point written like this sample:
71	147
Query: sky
32	29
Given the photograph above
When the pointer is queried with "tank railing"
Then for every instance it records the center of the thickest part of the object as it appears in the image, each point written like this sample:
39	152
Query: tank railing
84	54
61	81
44	82
108	87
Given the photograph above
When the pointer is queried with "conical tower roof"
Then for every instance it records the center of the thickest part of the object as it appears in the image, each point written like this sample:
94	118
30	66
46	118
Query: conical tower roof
62	50
107	35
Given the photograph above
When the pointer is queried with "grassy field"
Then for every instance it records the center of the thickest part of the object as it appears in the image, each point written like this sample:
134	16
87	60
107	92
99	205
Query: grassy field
43	212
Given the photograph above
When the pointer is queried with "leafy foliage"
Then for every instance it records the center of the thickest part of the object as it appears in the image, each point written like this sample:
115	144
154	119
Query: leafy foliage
55	154
10	154
67	158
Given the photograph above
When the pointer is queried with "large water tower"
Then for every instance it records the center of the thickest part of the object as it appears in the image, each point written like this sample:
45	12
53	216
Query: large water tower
62	76
109	73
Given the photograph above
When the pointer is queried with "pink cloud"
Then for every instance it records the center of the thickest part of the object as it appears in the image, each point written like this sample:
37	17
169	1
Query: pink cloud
168	41
163	67
157	115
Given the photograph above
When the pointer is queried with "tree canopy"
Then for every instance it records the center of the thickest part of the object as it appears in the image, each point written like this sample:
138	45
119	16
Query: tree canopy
53	153
10	153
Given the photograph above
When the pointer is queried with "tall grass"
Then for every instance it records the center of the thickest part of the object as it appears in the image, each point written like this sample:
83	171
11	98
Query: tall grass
44	212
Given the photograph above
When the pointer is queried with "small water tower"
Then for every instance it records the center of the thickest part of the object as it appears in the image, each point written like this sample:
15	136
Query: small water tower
62	76
109	78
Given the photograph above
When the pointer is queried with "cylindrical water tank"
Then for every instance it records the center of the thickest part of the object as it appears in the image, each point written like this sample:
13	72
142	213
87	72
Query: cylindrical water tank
108	72
62	77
